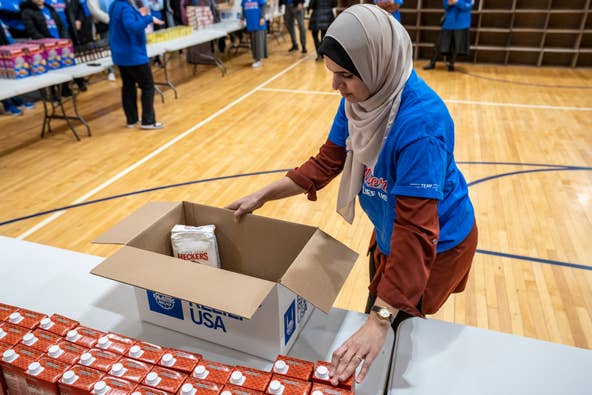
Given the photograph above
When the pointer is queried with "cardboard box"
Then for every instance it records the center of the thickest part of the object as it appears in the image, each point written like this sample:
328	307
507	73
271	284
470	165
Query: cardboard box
273	273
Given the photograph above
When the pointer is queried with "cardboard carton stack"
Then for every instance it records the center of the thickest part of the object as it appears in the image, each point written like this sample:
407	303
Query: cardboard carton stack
109	363
35	57
199	17
168	34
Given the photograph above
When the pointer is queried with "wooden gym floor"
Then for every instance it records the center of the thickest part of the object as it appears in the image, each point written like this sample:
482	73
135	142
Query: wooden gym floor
523	141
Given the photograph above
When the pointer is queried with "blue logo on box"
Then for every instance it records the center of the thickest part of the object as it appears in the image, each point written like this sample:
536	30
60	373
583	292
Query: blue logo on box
164	304
289	322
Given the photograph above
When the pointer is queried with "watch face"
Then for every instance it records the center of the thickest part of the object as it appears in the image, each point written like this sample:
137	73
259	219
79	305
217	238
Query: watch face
384	313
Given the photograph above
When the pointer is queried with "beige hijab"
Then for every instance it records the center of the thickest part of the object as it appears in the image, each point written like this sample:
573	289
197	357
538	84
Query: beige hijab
380	49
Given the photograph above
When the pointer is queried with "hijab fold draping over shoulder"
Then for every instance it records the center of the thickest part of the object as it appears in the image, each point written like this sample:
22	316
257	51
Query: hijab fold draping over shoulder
381	51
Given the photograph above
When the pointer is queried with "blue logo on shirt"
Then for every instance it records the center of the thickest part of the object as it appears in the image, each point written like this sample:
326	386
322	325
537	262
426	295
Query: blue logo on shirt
164	304
289	322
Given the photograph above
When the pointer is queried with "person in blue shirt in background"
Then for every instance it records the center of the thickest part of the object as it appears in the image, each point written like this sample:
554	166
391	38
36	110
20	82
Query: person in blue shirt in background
454	37
391	6
254	14
42	20
10	14
127	38
12	104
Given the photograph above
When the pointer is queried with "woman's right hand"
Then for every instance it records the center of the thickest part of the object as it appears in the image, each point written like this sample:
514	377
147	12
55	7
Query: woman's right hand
245	205
144	10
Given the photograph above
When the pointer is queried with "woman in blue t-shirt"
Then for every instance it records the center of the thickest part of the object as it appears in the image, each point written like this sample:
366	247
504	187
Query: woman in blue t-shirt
392	141
254	14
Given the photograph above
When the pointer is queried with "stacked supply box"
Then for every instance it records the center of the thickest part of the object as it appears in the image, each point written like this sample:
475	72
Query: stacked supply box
273	273
13	63
199	17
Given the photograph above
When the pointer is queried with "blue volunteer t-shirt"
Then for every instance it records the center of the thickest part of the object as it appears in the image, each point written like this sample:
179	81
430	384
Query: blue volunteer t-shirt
416	160
60	8
51	24
252	10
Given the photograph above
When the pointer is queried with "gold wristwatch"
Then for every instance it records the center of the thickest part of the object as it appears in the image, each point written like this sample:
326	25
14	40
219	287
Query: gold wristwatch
384	313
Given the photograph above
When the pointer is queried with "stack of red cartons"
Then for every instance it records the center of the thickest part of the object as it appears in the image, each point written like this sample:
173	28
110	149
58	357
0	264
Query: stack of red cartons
199	17
58	356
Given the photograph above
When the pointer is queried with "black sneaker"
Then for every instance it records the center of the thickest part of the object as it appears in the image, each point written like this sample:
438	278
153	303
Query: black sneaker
294	48
304	50
429	66
450	67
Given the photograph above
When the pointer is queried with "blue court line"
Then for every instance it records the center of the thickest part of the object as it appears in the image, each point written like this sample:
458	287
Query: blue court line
539	260
257	173
548	167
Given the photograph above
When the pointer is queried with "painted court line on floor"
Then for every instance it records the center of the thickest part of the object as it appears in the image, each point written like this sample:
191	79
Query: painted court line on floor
157	151
455	101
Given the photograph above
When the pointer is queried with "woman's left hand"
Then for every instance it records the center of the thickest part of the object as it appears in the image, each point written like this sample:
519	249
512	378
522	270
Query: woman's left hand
362	347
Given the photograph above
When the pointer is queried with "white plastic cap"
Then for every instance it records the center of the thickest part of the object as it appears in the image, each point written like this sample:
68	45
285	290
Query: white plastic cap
71	335
317	392
168	359
69	377
46	323
99	387
187	388
15	317
86	358
139	393
226	393
152	378
54	351
117	369
199	371
29	339
322	372
34	368
275	387
2	333
103	341
280	366
135	350
9	355
236	377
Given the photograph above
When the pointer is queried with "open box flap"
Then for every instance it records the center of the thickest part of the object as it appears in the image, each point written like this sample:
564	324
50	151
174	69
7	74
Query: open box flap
220	289
319	271
134	224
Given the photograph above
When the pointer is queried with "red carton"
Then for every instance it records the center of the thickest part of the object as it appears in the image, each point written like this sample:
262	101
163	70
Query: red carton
3	390
6	310
130	369
293	367
113	386
26	318
146	352
14	62
144	390
66	52
99	359
230	389
66	352
250	378
179	360
42	376
285	385
83	336
50	47
14	363
40	340
35	57
115	343
58	324
79	380
212	371
321	389
11	334
164	379
321	375
193	386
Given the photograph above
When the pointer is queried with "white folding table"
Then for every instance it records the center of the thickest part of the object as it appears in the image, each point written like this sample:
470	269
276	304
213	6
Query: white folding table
52	280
